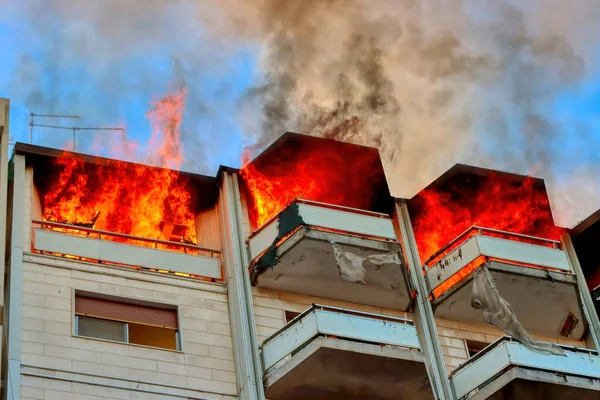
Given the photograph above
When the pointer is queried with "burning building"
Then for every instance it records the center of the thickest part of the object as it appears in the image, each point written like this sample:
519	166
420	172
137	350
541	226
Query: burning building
109	206
297	276
472	221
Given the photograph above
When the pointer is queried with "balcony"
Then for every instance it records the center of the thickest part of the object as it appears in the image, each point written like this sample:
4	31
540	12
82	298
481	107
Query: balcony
332	353
75	242
508	370
292	252
532	274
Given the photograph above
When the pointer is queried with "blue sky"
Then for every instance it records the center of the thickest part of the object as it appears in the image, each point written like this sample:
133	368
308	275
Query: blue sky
210	131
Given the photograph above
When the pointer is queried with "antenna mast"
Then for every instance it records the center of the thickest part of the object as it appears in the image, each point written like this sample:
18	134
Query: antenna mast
74	129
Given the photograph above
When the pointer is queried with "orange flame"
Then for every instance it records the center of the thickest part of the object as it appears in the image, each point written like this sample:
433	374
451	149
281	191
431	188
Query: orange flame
441	214
129	198
312	169
458	276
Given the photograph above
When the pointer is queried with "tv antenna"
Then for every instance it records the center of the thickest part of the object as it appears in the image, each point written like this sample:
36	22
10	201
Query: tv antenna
73	129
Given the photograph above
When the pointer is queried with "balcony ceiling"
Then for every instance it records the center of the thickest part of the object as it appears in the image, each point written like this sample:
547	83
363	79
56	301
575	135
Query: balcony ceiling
540	299
331	369
307	266
522	383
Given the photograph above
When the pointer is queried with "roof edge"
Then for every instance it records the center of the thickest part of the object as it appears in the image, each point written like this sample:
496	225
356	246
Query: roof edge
223	169
288	135
459	168
41	151
584	224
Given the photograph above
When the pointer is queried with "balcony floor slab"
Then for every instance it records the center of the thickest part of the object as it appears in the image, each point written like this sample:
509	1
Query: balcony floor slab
335	369
525	383
306	265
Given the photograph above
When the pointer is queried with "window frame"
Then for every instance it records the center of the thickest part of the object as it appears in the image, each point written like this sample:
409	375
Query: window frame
288	315
127	300
471	345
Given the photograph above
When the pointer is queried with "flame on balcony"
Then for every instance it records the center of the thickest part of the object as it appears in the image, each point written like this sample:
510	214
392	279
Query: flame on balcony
314	169
128	198
440	214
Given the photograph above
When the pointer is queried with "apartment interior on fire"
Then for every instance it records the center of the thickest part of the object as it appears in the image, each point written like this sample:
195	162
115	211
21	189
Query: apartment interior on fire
298	276
585	237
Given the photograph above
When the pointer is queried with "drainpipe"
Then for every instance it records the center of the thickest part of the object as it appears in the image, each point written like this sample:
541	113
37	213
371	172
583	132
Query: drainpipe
424	318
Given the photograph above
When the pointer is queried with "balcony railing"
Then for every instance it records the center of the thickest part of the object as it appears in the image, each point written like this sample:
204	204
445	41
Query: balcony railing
481	231
325	217
76	242
342	324
334	353
293	253
505	354
124	238
464	254
532	274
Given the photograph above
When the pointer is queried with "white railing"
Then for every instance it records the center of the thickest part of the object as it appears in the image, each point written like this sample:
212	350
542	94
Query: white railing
72	241
340	323
326	217
481	231
505	353
78	230
493	245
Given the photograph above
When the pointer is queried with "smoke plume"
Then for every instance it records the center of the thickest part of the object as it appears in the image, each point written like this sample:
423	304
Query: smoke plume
433	83
430	83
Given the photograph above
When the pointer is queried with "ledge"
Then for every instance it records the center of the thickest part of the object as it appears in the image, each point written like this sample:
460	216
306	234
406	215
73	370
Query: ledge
122	383
124	272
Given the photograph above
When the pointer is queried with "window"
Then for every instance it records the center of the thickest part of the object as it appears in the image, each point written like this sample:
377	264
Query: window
290	315
116	320
474	347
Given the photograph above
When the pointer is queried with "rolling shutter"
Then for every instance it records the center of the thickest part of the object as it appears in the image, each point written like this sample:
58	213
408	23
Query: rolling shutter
126	312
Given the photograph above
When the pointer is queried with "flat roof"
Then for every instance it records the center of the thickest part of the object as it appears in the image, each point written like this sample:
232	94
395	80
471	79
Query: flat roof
291	138
36	152
466	169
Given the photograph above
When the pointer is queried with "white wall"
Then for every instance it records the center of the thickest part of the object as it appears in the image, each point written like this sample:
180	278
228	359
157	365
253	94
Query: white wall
204	365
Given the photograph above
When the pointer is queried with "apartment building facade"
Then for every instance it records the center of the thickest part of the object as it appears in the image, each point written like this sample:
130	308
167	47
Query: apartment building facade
251	294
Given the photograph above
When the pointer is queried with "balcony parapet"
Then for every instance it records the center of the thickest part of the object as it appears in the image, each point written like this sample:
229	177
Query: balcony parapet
508	367
335	353
293	253
86	244
343	324
477	245
532	274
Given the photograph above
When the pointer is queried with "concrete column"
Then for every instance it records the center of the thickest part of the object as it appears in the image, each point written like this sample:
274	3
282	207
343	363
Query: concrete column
424	319
4	139
15	274
247	357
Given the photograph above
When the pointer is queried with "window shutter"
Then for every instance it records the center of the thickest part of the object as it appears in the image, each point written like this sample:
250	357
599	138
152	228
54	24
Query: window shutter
134	313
